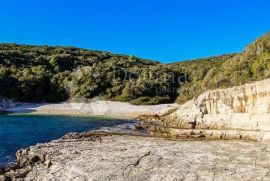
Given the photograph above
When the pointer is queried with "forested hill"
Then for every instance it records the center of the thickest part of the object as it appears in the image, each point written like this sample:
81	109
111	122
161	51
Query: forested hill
55	74
252	64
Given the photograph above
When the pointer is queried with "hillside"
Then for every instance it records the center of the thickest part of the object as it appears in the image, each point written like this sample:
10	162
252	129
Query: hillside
55	74
252	64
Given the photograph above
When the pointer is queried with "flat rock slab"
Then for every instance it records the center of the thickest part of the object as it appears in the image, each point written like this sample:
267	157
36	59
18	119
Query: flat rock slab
122	157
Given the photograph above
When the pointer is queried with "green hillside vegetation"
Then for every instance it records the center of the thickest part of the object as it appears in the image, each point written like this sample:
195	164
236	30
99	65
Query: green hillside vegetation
55	74
252	64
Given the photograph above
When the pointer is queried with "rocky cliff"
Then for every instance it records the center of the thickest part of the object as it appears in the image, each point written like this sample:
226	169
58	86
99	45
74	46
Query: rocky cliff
241	112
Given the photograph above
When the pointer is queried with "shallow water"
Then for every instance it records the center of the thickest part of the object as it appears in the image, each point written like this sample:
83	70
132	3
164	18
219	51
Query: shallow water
22	131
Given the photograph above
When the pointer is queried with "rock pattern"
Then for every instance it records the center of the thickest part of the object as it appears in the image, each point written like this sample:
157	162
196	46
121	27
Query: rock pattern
241	112
123	157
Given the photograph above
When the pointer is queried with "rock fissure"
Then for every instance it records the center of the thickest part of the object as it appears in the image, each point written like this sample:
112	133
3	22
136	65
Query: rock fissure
139	160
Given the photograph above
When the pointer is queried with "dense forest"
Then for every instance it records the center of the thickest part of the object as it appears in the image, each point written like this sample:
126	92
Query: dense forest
55	74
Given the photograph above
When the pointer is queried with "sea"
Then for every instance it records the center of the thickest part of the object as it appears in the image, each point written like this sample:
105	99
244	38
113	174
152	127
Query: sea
19	131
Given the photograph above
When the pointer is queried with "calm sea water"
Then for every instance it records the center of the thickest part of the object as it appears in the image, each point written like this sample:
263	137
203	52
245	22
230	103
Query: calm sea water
22	131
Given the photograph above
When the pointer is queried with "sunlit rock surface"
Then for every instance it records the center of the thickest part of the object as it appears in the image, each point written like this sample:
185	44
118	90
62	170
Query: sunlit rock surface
241	112
124	157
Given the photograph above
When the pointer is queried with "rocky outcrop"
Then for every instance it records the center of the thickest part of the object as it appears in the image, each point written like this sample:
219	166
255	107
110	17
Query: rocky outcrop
26	159
123	157
241	112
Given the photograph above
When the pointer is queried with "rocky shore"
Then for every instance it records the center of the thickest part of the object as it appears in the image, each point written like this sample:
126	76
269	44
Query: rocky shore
100	156
222	134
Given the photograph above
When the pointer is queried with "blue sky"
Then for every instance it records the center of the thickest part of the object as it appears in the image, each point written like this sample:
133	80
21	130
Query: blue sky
164	30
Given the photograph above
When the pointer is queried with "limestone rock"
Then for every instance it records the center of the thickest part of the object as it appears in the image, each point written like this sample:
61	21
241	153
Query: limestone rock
244	108
148	158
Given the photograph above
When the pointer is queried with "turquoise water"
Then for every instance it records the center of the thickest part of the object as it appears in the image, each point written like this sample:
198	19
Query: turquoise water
22	131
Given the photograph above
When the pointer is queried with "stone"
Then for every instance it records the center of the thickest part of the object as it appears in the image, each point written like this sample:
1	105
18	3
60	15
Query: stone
48	163
124	157
240	108
3	178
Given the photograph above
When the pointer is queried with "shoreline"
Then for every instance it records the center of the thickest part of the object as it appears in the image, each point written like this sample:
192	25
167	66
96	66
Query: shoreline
68	115
111	109
84	155
96	109
127	127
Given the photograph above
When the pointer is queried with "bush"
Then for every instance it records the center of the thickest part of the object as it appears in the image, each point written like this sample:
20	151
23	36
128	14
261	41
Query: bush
151	100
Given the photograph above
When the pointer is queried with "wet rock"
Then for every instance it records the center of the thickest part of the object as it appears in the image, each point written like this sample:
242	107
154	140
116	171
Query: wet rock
90	136
22	156
73	136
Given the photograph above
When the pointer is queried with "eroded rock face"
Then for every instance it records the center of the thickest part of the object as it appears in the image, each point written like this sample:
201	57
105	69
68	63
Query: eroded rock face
241	112
250	98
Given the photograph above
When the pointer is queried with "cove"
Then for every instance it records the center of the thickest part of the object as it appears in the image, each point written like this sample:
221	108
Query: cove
21	131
